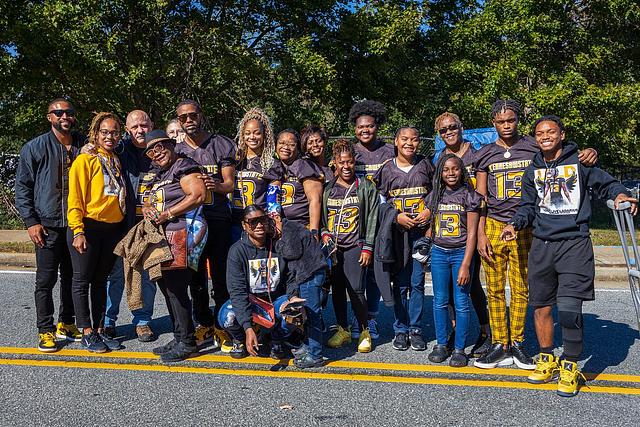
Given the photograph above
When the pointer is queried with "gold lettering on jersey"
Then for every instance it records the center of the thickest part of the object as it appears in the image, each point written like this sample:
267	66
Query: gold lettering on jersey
348	201
451	207
249	174
368	168
211	169
515	164
408	191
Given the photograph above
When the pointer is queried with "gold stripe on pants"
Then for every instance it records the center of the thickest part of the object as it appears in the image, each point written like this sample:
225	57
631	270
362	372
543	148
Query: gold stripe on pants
514	254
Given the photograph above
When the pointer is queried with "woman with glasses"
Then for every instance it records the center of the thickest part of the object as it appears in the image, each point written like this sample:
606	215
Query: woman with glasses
302	186
314	142
95	214
176	191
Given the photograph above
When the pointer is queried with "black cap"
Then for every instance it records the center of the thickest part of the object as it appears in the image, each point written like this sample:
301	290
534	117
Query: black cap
155	136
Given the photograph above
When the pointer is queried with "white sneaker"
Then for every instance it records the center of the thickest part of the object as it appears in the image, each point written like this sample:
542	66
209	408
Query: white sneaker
373	329
355	328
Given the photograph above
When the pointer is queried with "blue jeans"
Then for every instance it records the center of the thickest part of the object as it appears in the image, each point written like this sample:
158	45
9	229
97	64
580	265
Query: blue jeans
409	282
311	290
115	288
445	264
227	319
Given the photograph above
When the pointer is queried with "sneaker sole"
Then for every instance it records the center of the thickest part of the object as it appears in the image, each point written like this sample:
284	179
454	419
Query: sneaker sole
418	348
564	394
97	351
507	361
47	350
400	348
525	366
530	381
67	338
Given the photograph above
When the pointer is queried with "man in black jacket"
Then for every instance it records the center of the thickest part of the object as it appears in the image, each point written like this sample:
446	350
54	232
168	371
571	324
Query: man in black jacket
42	186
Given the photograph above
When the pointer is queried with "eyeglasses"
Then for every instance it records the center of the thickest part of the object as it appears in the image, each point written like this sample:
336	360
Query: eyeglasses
70	112
287	144
451	128
113	133
253	222
183	117
158	148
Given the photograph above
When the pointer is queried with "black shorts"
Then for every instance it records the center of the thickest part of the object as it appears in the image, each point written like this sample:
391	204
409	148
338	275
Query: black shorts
560	269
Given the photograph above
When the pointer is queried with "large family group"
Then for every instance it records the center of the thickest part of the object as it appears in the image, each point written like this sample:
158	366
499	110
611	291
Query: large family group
278	224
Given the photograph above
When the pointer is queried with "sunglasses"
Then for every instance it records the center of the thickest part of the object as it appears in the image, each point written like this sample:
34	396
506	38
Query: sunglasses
183	117
70	112
444	130
158	148
253	222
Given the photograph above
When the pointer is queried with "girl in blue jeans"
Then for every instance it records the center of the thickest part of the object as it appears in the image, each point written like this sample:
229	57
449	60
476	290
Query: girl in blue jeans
454	208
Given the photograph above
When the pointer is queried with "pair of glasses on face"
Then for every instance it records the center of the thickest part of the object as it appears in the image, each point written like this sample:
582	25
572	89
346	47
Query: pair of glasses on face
446	129
156	149
288	144
113	133
183	117
253	222
70	112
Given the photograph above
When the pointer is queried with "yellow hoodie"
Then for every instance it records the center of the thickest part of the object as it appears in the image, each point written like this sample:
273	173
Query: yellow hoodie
88	197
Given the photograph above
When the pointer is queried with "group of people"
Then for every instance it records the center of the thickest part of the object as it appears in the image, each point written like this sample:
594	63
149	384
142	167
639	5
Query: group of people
278	223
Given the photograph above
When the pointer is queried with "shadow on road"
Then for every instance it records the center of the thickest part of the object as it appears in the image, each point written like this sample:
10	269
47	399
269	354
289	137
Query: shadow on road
606	343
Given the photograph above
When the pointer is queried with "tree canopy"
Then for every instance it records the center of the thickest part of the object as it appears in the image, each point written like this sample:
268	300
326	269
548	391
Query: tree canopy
308	60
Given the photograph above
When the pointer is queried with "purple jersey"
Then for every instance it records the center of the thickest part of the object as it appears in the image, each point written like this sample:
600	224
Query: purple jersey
144	190
343	216
469	160
451	219
213	154
406	190
295	205
166	190
504	175
251	184
369	161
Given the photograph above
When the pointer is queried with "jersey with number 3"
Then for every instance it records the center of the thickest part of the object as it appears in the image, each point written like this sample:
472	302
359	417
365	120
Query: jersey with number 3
504	176
450	221
295	205
343	216
252	183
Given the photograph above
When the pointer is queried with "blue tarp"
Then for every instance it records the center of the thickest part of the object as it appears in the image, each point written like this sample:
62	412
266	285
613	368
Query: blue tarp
477	138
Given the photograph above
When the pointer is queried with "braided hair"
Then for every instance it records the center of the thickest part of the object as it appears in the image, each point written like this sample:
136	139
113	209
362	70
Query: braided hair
269	144
368	108
94	127
343	146
439	186
502	105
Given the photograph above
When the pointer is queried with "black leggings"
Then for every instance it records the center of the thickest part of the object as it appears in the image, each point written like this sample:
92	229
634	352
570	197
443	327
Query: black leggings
478	297
91	269
174	285
348	276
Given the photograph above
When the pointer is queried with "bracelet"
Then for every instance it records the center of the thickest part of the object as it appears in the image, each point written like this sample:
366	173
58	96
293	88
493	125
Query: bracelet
78	234
170	214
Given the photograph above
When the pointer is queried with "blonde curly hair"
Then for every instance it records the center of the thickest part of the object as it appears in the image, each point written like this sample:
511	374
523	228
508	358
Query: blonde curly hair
269	144
97	120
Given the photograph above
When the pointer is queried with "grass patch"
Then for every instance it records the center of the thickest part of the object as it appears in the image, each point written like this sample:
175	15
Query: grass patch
17	247
607	237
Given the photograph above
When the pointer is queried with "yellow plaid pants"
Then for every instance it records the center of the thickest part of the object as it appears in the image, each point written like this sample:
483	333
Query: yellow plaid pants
509	258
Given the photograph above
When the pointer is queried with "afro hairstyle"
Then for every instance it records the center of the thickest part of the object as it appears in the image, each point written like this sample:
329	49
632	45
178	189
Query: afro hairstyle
368	108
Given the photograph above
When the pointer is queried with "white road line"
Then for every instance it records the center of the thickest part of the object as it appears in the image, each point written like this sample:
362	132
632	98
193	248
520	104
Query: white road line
17	272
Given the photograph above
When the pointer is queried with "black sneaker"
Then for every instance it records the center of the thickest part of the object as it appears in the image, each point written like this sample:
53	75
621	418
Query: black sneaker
93	343
482	345
308	362
238	351
497	356
179	352
158	351
458	359
417	342
111	343
520	357
401	342
278	351
439	353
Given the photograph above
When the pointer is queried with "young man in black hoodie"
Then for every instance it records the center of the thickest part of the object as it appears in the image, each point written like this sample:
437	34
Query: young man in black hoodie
561	263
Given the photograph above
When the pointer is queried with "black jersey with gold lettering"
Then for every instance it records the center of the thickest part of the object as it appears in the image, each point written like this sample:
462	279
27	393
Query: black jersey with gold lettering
213	154
144	190
369	160
343	215
295	205
450	229
504	170
406	190
252	183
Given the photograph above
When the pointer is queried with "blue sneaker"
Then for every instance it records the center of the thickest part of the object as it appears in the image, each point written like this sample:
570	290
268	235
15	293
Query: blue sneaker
111	343
93	343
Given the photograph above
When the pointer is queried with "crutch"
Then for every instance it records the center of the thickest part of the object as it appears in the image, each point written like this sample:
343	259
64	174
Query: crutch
627	233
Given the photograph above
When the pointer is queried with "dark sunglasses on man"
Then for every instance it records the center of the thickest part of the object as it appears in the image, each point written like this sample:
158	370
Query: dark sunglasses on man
183	117
444	130
253	222
58	113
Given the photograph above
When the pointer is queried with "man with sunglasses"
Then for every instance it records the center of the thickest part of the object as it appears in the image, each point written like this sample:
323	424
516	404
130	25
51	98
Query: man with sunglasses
217	156
42	187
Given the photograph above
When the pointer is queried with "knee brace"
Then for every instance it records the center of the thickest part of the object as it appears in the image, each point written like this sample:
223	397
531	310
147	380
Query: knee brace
570	318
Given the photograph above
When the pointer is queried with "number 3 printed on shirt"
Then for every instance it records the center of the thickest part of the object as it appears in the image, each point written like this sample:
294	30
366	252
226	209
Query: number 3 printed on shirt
347	223
244	190
288	192
409	205
508	184
448	225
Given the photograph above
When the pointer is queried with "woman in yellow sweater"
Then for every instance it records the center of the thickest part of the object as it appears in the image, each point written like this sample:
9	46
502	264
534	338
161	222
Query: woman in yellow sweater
96	210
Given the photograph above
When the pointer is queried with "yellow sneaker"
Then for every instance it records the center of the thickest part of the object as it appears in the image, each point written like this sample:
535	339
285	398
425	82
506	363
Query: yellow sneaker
68	331
47	342
340	338
546	369
221	339
364	342
569	379
204	334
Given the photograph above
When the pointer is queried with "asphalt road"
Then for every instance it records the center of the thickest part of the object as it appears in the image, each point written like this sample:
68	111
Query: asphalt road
385	387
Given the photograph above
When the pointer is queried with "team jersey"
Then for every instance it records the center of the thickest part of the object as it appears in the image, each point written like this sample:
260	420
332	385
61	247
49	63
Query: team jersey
406	190
295	205
166	191
213	154
328	173
368	161
504	175
469	160
251	184
144	190
343	216
450	222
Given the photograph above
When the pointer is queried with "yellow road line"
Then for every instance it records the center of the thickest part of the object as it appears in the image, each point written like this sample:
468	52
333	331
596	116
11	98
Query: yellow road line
378	366
307	375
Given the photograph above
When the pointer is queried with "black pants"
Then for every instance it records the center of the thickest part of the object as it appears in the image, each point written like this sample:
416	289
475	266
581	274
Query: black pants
52	257
348	276
174	285
91	269
215	251
478	297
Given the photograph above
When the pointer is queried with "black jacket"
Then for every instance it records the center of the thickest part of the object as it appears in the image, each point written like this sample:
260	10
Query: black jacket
42	179
555	198
134	164
301	252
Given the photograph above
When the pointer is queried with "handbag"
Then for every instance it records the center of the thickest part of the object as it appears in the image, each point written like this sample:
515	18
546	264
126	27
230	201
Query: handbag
177	240
263	312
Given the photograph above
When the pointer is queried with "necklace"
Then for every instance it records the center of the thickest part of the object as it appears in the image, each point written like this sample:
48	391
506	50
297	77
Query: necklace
507	154
463	149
